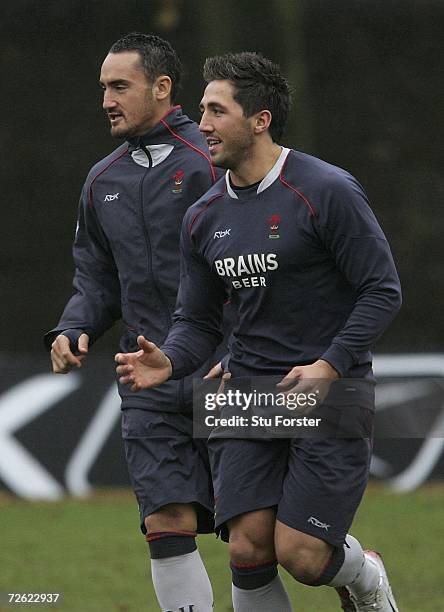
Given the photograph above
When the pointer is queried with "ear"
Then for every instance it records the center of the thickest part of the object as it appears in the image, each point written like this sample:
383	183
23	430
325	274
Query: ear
162	87
262	121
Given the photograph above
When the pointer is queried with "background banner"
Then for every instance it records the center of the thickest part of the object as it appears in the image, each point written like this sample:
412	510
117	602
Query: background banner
60	435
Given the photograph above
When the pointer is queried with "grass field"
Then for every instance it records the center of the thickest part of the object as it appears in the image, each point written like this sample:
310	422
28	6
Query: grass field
92	552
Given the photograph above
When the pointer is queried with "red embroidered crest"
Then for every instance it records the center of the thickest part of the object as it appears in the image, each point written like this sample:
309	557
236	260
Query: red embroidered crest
273	222
178	180
178	177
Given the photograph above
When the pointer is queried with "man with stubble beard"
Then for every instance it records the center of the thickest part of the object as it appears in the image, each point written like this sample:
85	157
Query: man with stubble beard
126	255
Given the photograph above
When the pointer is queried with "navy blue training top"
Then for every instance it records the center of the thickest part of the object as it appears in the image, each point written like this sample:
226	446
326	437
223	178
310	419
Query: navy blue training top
306	263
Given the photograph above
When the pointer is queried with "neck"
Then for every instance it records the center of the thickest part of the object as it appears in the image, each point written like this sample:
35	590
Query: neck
256	166
160	113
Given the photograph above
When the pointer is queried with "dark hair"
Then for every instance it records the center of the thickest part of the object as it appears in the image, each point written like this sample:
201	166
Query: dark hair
156	54
258	83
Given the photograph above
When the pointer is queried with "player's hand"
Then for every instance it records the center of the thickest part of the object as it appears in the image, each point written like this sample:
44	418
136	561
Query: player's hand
143	369
314	378
217	372
63	359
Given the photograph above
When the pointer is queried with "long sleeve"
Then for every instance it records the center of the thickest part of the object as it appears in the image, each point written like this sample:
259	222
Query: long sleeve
96	304
351	233
197	320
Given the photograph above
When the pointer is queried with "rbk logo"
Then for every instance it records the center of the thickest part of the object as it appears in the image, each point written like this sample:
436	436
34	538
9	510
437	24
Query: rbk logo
317	523
222	234
111	196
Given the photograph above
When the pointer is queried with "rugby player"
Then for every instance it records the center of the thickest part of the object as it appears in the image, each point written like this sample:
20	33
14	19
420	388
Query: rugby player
126	254
314	283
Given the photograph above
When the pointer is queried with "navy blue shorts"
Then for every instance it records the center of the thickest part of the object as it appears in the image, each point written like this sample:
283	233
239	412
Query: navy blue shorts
166	465
315	484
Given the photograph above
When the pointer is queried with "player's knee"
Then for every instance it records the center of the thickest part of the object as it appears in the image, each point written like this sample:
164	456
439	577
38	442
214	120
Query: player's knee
303	558
172	517
251	547
302	564
252	557
252	537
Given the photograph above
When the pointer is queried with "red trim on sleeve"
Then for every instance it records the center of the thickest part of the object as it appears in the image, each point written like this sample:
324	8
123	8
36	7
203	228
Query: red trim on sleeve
194	219
296	190
213	174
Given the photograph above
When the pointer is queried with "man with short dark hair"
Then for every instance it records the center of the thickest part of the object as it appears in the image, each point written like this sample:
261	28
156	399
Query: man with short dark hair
127	266
314	285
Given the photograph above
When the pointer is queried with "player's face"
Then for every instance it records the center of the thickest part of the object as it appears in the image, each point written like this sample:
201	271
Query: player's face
127	95
228	132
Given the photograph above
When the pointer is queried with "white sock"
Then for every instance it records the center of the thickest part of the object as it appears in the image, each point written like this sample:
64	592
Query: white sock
357	573
182	582
271	597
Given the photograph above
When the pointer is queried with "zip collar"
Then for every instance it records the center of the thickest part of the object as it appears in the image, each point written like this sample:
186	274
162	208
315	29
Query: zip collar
152	148
159	133
151	155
